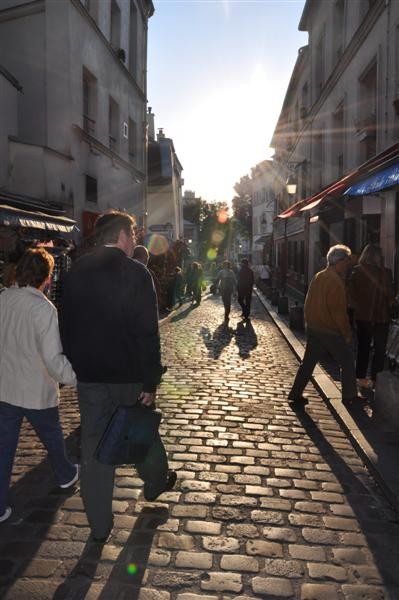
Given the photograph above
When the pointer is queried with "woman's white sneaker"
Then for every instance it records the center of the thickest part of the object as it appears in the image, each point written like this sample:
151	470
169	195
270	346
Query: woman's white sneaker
6	514
73	480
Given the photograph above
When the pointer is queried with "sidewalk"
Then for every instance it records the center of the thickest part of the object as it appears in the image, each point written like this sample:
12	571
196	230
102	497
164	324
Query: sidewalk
379	449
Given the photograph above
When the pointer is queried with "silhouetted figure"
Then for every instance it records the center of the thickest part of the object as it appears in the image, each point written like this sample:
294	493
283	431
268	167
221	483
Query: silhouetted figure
245	282
227	283
371	296
178	286
197	279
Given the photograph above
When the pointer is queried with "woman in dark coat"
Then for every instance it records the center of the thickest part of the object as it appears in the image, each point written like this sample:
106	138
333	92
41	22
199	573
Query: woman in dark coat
371	296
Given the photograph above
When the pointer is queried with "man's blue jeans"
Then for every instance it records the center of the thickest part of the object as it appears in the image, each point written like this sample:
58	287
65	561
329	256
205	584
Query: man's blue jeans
46	424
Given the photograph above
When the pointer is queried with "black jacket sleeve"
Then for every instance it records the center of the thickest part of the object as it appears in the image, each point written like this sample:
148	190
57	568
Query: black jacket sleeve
146	332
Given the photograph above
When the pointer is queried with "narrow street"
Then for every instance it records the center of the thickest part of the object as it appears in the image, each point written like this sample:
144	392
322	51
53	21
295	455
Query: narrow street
269	502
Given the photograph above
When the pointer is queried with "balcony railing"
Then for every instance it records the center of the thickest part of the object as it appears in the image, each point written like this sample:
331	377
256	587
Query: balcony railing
366	123
89	125
112	143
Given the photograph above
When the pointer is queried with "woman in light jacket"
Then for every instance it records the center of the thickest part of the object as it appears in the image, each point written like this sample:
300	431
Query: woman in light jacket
31	364
370	296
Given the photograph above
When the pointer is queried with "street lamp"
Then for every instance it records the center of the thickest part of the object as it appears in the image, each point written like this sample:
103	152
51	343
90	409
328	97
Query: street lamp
291	184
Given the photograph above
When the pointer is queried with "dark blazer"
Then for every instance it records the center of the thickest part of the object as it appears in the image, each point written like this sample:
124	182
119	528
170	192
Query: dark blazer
371	293
245	279
109	320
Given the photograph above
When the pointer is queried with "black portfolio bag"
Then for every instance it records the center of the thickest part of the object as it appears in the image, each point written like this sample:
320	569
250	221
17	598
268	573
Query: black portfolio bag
129	435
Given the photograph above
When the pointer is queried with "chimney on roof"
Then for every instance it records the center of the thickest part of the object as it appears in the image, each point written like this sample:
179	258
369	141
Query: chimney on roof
161	135
151	124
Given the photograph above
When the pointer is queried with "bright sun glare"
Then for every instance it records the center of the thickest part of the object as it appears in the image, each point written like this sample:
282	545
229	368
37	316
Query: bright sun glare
235	114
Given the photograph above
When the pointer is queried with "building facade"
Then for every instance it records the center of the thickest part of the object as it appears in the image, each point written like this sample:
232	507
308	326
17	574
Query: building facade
191	221
263	199
164	194
339	126
80	145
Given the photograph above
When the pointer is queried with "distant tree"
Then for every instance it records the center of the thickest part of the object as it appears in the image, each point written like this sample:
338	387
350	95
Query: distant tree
242	205
192	210
215	230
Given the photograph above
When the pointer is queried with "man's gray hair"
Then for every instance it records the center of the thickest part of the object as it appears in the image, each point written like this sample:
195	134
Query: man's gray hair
337	253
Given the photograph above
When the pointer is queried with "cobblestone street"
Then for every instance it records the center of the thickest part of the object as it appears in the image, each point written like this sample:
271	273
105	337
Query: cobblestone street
269	502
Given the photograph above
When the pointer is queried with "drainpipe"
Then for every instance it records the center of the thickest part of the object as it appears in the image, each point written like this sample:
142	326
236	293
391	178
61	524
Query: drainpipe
387	67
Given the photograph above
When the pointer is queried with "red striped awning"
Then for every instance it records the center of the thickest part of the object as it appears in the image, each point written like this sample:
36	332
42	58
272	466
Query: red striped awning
336	189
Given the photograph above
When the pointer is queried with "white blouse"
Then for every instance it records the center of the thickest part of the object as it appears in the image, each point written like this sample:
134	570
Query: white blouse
31	358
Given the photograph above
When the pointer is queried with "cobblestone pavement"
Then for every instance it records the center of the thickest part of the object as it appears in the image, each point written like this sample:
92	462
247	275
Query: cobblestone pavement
269	502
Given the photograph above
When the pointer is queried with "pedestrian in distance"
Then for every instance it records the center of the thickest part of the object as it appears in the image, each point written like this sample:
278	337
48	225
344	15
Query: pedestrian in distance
178	287
141	254
189	281
265	277
245	282
227	284
197	280
371	296
109	329
327	327
31	365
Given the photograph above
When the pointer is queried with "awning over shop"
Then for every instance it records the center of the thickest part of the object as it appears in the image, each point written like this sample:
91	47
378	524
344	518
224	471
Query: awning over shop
382	170
12	217
375	183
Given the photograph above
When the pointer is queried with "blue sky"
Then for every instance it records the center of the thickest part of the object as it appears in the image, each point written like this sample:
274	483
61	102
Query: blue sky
217	76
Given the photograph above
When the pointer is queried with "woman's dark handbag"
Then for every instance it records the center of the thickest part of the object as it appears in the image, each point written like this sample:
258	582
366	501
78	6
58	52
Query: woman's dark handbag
128	436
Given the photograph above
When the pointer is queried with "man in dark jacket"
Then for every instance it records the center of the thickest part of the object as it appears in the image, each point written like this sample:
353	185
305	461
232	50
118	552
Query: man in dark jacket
245	282
109	331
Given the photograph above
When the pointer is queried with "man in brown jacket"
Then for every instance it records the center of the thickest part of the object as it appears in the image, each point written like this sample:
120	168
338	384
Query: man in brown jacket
327	326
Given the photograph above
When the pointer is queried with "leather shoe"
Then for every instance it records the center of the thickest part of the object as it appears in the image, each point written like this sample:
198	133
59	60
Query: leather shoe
354	400
170	484
102	540
298	400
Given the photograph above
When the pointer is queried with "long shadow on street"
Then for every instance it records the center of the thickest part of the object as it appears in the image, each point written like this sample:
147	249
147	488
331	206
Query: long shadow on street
127	572
182	314
382	543
246	338
218	340
36	502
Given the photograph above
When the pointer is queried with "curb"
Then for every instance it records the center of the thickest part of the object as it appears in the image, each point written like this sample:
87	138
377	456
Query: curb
331	395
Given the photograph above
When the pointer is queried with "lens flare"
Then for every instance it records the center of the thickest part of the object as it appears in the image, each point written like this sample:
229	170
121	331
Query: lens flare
131	569
217	237
157	244
211	254
222	216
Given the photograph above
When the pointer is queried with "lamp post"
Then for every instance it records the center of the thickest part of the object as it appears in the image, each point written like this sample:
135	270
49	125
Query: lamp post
290	186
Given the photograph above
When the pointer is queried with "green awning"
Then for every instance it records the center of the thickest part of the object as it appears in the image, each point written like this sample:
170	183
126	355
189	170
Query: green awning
15	217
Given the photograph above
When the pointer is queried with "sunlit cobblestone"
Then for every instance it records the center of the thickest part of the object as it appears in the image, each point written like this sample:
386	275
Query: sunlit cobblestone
269	502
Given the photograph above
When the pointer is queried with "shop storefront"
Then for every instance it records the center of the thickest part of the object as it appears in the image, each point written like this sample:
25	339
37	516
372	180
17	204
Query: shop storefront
25	224
358	209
